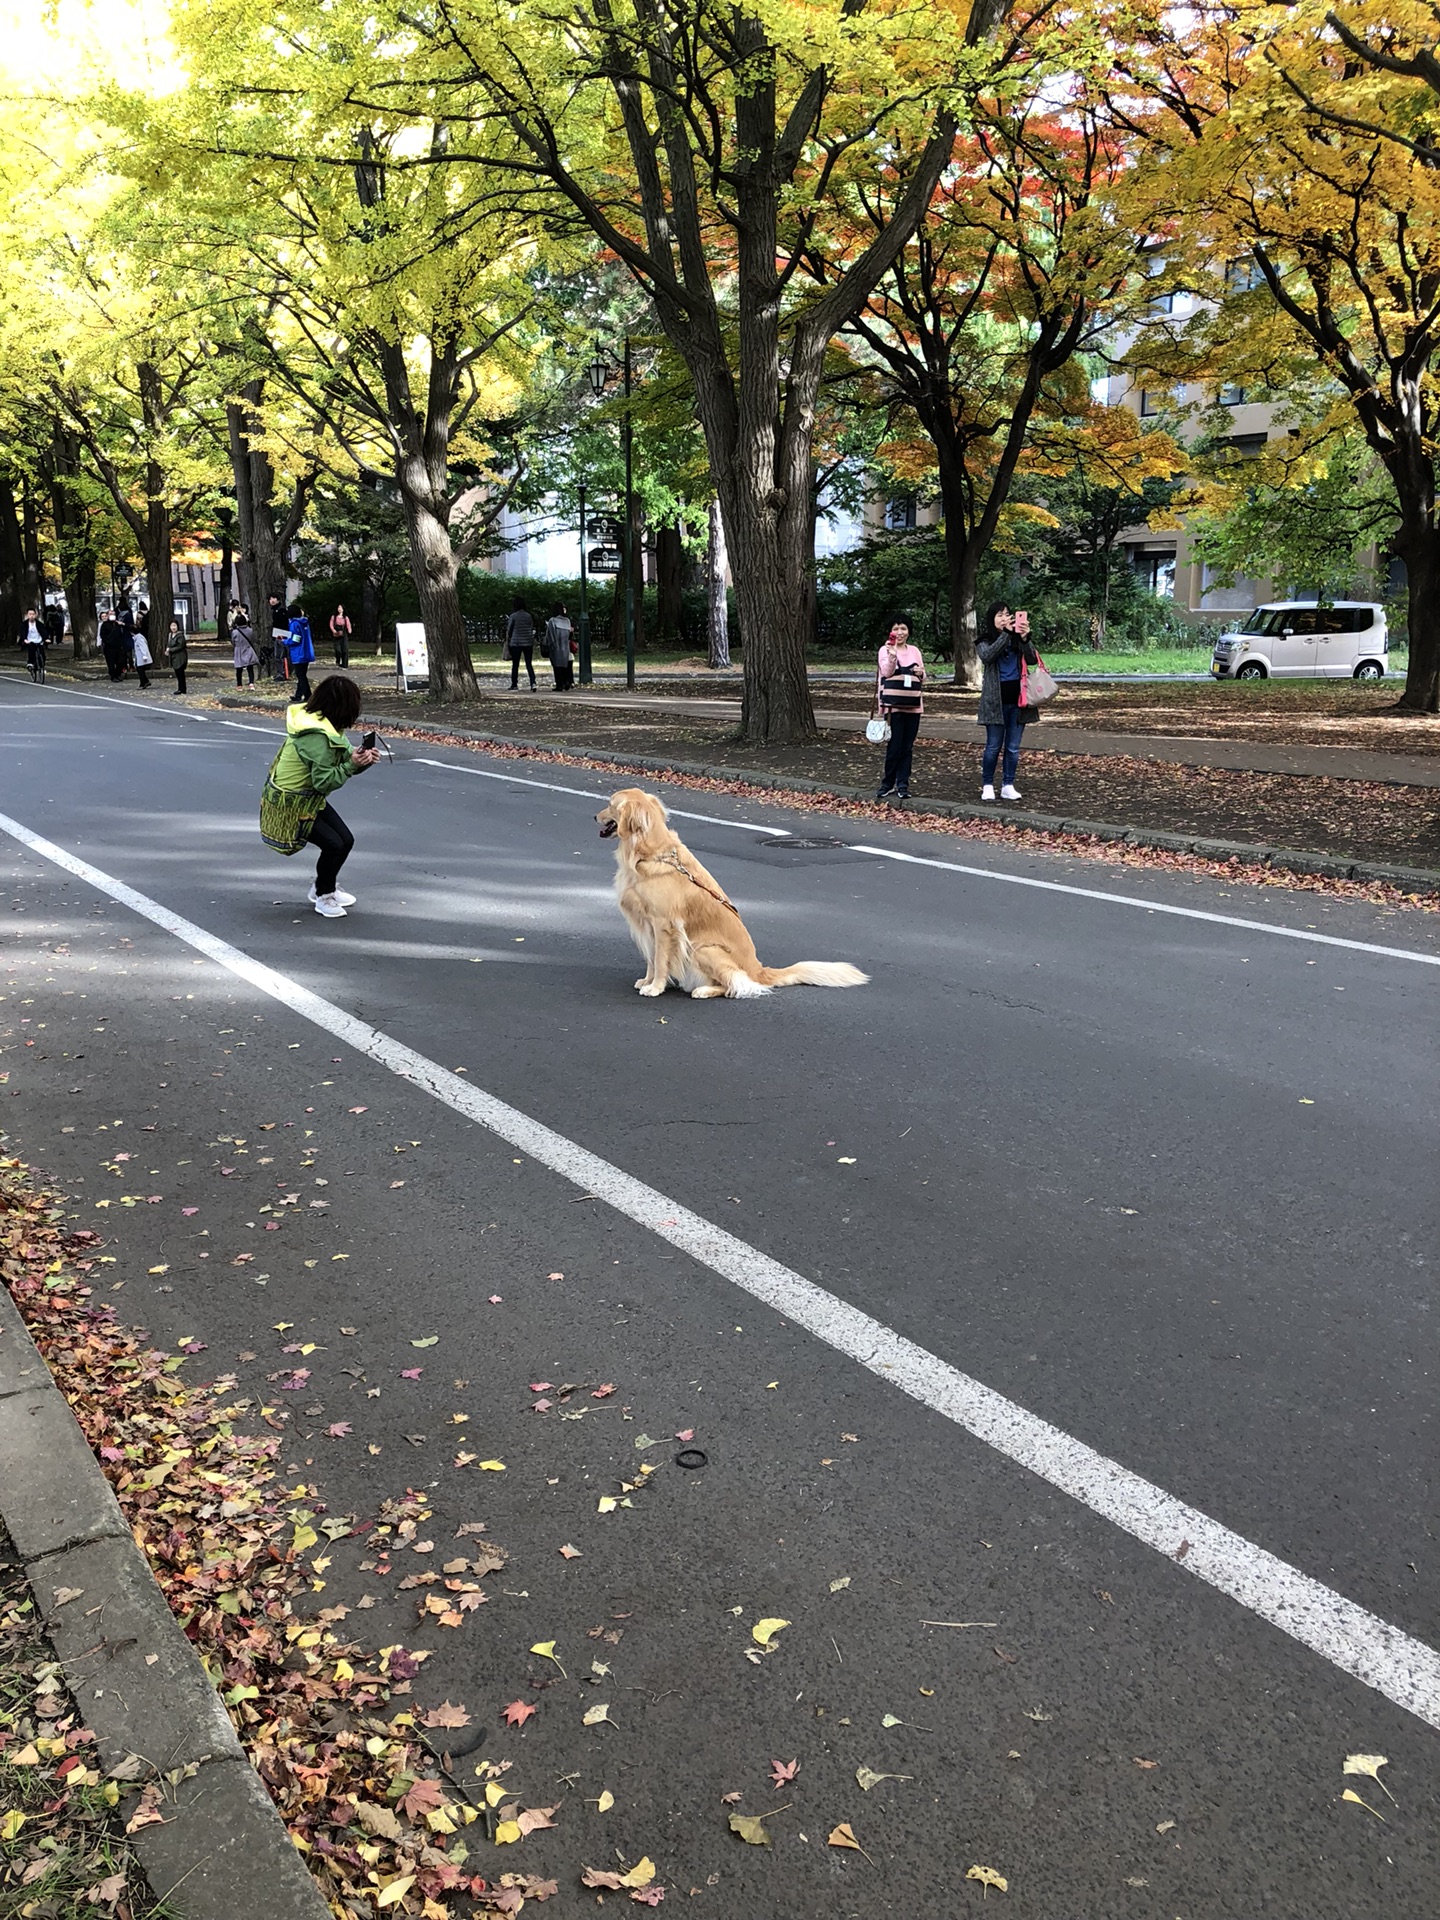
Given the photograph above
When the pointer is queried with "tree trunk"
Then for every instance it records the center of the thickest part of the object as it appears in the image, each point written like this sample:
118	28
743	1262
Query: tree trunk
1420	550
717	624
12	565
33	592
222	590
962	565
262	561
767	545
72	538
436	573
669	563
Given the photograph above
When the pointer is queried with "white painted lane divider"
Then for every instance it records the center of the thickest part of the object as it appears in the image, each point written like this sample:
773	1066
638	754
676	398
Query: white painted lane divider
1405	1670
584	793
1157	906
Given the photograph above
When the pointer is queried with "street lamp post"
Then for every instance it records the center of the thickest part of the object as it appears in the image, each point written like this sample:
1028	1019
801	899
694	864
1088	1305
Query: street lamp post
586	674
629	437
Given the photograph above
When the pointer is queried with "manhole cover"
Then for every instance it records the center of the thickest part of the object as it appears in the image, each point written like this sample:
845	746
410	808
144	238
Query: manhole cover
787	846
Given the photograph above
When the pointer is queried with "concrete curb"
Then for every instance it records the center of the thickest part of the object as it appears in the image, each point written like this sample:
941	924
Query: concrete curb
141	1689
1333	866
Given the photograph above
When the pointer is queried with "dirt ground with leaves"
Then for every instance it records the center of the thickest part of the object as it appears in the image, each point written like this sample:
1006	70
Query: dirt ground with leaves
1364	820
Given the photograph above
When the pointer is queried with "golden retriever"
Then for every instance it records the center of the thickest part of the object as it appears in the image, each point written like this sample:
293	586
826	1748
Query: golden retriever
682	920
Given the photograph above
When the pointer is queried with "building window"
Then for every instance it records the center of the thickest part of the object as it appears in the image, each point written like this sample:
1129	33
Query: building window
900	514
1243	276
1156	568
1155	400
1162	303
1245	446
1231	395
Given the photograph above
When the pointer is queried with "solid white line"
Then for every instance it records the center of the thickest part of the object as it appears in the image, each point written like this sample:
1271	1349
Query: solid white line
583	793
1351	1638
112	700
1157	906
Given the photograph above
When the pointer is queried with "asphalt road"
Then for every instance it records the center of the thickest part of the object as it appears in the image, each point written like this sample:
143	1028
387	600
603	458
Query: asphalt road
1166	1183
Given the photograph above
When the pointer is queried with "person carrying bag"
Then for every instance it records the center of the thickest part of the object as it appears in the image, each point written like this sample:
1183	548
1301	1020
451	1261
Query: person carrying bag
140	653
900	702
315	762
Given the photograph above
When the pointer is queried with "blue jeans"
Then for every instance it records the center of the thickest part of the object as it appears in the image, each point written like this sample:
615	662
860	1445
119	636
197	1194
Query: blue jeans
1007	733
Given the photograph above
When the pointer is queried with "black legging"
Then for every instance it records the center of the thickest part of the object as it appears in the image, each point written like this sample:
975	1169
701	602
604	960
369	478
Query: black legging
527	654
240	673
332	840
903	729
302	684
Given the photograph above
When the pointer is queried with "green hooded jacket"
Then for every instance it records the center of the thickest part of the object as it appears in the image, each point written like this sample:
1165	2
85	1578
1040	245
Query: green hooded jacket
315	757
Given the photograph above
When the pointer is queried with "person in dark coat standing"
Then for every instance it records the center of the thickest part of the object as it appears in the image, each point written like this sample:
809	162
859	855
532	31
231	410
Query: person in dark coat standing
177	652
1004	645
55	625
520	644
557	647
114	645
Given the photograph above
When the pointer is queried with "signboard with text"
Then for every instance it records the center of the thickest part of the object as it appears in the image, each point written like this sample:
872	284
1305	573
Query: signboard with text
412	654
603	560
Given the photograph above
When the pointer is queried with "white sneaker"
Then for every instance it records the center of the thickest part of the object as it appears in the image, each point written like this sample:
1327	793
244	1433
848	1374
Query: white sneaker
1009	793
987	793
329	905
345	899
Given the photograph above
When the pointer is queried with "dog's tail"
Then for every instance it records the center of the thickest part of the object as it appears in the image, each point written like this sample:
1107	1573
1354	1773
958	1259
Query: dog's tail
814	973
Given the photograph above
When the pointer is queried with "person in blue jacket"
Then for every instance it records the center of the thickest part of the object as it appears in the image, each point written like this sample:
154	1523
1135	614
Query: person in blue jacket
301	649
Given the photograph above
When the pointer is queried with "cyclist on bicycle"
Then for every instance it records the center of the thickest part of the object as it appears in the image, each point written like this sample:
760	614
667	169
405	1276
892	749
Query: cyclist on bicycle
32	638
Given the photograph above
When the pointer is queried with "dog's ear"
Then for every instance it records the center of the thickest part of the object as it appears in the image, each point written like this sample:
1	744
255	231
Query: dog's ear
637	819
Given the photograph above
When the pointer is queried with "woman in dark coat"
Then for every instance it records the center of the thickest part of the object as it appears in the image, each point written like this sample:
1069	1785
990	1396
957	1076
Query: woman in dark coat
520	644
1004	646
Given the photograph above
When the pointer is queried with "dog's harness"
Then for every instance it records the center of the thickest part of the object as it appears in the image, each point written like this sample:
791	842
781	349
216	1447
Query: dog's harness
670	858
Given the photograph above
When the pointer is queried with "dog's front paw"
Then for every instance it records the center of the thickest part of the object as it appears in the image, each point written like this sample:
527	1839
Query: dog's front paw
642	982
651	989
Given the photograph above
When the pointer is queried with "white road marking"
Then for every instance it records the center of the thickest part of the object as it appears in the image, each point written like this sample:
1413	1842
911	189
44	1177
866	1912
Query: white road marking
1157	906
1403	1669
246	726
583	793
113	700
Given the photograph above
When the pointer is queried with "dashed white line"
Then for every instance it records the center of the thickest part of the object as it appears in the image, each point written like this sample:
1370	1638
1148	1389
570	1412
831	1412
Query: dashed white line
1351	1638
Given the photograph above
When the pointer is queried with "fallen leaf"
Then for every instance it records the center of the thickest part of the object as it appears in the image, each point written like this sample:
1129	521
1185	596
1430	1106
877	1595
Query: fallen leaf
891	1720
1350	1794
988	1878
686	1433
430	1340
640	1875
843	1836
518	1712
339	1430
605	1802
447	1714
604	1391
783	1771
598	1715
378	1820
546	1651
838	1586
868	1778
357	1109
567	1552
396	1891
751	1829
730	1799
764	1631
846	1160
1165	1826
423	1797
1147	1764
534	1819
64	1595
1370	1764
492	1466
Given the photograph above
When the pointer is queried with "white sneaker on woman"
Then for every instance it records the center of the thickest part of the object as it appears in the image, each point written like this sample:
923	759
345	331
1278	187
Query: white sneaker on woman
1009	793
987	793
329	905
345	899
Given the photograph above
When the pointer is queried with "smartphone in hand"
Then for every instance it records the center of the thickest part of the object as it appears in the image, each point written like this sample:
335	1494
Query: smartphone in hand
367	741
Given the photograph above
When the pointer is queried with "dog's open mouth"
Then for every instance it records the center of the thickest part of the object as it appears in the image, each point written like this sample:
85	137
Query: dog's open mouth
609	829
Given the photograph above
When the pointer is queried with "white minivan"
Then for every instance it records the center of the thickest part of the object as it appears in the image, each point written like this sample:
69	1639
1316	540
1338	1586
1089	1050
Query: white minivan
1345	640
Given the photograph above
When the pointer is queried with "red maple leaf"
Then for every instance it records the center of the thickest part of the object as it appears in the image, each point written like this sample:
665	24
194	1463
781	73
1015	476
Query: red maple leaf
783	1771
518	1712
424	1797
339	1430
603	1393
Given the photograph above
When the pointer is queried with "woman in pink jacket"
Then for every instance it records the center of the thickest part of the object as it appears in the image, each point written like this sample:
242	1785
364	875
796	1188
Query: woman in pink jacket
899	695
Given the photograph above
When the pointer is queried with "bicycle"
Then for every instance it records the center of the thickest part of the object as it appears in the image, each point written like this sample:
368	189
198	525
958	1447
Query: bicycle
36	664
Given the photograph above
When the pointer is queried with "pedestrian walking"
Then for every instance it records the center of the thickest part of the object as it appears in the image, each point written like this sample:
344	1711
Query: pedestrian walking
301	649
54	625
142	619
340	636
520	644
1005	649
114	645
314	763
140	653
900	699
33	638
177	651
556	646
242	648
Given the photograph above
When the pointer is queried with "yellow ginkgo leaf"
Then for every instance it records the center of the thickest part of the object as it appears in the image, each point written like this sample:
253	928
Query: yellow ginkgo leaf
1350	1794
988	1877
597	1715
492	1466
507	1831
546	1651
1370	1765
605	1802
764	1631
10	1826
396	1891
640	1875
495	1793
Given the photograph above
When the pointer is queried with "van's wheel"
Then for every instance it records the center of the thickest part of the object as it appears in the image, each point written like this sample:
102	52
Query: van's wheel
1369	670
1252	670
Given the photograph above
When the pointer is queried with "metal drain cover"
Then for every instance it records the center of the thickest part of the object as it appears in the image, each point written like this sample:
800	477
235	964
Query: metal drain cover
820	840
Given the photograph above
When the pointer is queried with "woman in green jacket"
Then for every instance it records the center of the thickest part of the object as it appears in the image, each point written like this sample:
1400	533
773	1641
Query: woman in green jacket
317	759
